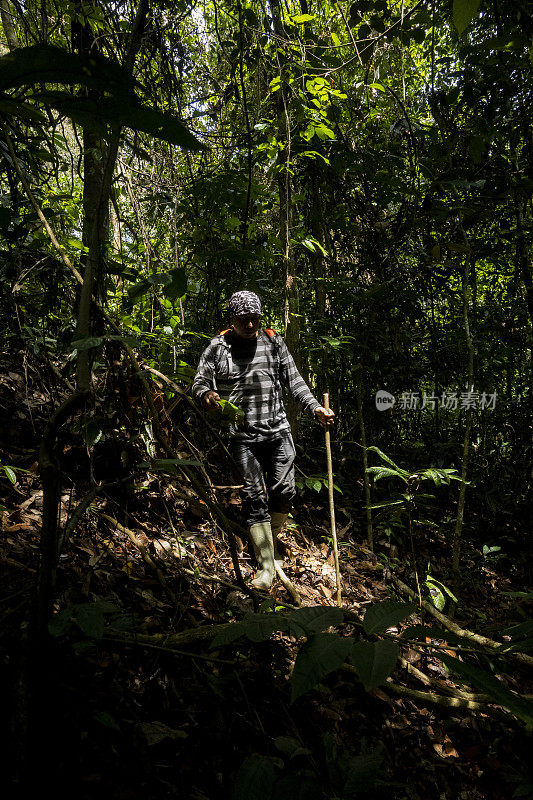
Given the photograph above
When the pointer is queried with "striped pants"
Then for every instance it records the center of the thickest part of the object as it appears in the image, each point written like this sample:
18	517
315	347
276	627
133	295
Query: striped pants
268	475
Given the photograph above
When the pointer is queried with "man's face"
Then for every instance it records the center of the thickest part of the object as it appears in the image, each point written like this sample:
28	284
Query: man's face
246	326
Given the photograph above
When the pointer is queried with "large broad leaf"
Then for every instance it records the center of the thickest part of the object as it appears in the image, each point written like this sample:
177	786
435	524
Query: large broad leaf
487	683
19	109
319	656
464	12
313	619
374	661
155	732
178	285
121	111
381	616
90	618
256	627
364	773
260	627
255	779
385	472
47	64
96	341
299	622
381	454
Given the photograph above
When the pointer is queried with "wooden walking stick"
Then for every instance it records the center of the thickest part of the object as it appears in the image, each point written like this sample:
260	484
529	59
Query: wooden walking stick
332	505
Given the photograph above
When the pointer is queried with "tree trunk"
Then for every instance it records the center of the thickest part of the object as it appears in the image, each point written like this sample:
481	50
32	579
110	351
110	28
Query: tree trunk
468	425
6	15
291	294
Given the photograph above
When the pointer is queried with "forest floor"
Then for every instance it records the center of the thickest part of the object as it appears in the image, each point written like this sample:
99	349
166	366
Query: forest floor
145	719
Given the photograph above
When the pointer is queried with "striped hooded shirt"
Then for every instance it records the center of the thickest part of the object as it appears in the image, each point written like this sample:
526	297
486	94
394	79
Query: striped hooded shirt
251	374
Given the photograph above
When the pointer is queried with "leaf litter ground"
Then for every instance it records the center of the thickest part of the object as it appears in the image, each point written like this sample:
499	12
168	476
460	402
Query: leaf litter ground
140	721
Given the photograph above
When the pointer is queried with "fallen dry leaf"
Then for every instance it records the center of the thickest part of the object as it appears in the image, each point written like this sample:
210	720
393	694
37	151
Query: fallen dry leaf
445	749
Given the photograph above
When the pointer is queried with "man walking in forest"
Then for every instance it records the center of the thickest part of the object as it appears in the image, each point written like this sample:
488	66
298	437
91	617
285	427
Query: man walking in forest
250	368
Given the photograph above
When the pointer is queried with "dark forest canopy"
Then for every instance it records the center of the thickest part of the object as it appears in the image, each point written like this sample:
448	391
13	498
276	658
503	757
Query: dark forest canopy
367	169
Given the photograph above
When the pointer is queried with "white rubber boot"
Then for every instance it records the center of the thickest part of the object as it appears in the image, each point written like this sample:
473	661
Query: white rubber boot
277	521
261	538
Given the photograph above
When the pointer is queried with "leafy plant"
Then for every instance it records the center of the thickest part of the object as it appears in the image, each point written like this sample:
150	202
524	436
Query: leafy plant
407	504
316	482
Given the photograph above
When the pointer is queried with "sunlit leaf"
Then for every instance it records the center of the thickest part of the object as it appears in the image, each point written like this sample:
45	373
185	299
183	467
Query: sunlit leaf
464	12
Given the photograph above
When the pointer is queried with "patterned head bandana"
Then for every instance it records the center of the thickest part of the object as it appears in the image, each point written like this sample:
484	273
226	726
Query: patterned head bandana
242	303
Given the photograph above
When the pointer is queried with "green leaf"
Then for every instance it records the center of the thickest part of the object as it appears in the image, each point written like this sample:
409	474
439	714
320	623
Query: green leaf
464	12
381	454
155	732
60	623
301	19
520	630
381	616
290	747
92	433
364	773
255	779
378	86
256	627
436	595
86	344
10	473
178	285
523	709
23	110
228	634
230	410
76	244
386	504
90	619
184	372
260	627
96	341
431	579
431	474
313	619
106	720
159	279
374	661
5	213
125	112
138	289
385	472
46	64
320	655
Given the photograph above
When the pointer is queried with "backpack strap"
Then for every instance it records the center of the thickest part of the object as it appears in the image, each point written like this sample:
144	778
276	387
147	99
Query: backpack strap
275	338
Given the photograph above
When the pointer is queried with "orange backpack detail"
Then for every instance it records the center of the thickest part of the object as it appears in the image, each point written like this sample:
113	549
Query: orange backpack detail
269	332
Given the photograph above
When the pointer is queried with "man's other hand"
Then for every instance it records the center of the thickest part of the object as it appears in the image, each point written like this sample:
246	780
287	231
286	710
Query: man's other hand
210	400
326	418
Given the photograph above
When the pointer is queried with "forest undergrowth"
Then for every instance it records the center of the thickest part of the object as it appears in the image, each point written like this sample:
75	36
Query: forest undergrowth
128	712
